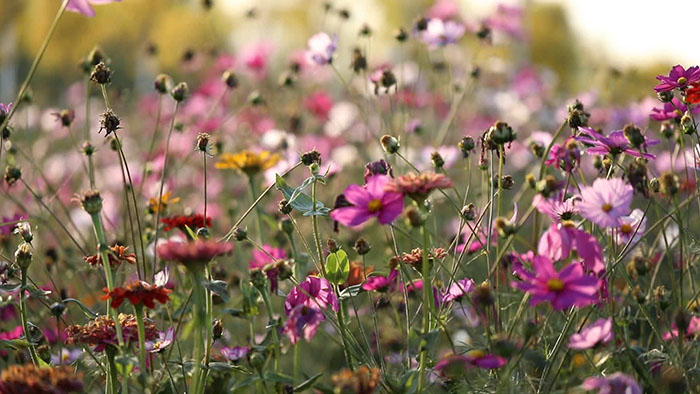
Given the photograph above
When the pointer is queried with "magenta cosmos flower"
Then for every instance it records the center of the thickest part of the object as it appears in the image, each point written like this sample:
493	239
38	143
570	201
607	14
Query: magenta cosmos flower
474	358
262	260
302	321
678	78
381	283
606	201
85	6
458	290
321	48
564	289
369	201
560	239
616	143
693	329
673	110
617	383
314	291
234	353
596	333
439	33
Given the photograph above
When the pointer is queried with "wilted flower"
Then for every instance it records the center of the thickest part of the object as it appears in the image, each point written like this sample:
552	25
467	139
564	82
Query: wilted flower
137	293
564	289
370	200
596	333
117	255
363	380
101	331
28	378
419	186
195	254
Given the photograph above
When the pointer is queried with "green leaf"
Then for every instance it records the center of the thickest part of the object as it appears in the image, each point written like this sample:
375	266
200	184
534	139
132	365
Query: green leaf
307	383
278	378
337	267
9	287
14	343
300	201
218	287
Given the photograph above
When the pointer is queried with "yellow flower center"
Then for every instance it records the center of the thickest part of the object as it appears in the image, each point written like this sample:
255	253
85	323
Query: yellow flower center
476	354
578	360
626	229
555	285
374	205
682	81
607	207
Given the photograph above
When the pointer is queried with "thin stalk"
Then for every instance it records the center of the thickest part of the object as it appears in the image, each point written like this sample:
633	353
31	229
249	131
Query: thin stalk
427	306
138	310
258	214
275	337
25	324
317	236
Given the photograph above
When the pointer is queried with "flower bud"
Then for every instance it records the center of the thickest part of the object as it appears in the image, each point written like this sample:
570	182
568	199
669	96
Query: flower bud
203	140
537	149
180	92
101	74
24	229
401	35
284	270
57	308
12	174
667	130
310	157
203	232
332	245
255	98
577	116
633	135
466	145
670	184
665	97
390	144
687	123
217	329
682	320
286	226
240	234
257	360
359	61
362	247
162	83
415	218
230	79
436	158
469	212
482	294
531	180
504	227
88	149
109	122
24	256
66	116
258	279
530	329
284	207
91	201
501	133
507	182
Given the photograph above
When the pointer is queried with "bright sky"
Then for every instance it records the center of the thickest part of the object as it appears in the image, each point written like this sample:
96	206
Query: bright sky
628	32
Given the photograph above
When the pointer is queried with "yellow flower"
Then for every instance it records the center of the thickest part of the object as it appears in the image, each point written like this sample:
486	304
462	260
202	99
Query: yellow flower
165	199
248	161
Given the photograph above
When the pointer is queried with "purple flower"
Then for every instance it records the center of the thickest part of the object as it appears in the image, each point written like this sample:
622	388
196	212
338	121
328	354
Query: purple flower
471	359
321	48
678	78
4	110
458	290
564	157
439	33
381	283
614	144
617	383
369	201
234	353
559	240
556	207
596	333
313	292
606	201
303	320
85	6
673	110
66	356
564	289
165	339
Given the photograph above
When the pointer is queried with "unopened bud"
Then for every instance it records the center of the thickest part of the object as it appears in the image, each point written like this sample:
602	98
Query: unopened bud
162	83
390	144
180	92
24	256
240	234
362	247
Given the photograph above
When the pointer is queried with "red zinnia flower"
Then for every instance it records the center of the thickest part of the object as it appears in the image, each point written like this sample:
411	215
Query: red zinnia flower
193	254
102	332
419	186
193	221
137	292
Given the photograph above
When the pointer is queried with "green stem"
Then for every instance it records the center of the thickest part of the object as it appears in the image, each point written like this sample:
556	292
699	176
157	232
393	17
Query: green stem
112	384
199	310
258	214
275	337
138	310
427	307
25	324
317	237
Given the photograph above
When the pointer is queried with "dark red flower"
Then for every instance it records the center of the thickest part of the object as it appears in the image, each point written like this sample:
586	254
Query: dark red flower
137	292
693	94
193	221
19	379
117	255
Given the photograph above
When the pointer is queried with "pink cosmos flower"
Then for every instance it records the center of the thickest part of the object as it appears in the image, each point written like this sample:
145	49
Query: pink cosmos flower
303	321
606	201
165	339
439	33
471	359
313	292
565	157
369	201
381	283
693	329
596	333
556	207
4	110
617	383
630	227
261	260
234	353
85	6
616	143
321	48
564	289
678	78
673	110
559	240
458	290
320	104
